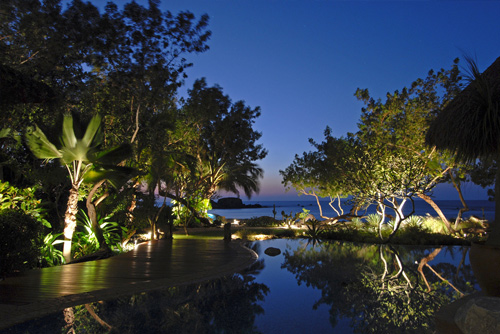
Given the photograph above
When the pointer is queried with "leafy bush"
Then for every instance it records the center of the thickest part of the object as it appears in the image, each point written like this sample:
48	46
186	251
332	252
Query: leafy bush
20	242
434	225
85	241
12	198
372	219
413	221
264	221
51	256
220	220
289	219
314	229
356	221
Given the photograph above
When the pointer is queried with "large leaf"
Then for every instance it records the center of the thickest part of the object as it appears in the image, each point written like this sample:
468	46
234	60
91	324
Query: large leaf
115	175
76	153
112	156
41	147
92	134
75	149
68	138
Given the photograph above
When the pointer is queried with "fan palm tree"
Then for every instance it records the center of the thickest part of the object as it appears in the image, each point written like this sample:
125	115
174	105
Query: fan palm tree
469	126
84	161
245	176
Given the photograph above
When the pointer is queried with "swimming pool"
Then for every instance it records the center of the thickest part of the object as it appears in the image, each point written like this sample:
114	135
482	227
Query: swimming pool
309	287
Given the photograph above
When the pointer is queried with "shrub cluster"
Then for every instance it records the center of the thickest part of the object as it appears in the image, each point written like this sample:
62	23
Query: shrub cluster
20	242
264	221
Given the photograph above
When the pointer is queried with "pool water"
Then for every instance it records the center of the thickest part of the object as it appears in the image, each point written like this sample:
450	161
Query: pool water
310	287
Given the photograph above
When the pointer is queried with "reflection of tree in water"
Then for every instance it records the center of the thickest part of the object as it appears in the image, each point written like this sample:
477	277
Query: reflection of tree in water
226	305
380	290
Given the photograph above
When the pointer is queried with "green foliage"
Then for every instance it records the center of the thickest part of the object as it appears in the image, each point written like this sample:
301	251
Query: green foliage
434	225
263	221
184	215
321	172
220	220
51	256
289	219
85	241
413	220
20	242
315	229
226	141
409	234
386	162
13	198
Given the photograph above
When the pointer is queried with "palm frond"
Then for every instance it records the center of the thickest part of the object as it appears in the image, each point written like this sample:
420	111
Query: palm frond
68	137
112	156
41	147
116	176
93	132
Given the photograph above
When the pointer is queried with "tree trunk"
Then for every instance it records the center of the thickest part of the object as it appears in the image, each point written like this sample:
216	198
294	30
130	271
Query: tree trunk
465	208
381	207
70	221
436	208
92	213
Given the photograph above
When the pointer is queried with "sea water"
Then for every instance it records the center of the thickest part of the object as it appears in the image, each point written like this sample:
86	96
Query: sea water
482	209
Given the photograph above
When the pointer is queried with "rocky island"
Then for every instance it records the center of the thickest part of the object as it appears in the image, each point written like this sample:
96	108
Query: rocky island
232	203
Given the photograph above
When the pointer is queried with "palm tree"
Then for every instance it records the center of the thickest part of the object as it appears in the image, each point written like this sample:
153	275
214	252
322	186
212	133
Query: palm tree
245	176
469	126
84	161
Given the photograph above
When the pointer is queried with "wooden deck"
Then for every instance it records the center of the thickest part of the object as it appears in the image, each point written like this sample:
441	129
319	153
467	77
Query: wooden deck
151	265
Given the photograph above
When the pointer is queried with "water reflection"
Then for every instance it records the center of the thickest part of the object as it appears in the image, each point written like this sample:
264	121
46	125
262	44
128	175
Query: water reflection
226	305
310	287
380	288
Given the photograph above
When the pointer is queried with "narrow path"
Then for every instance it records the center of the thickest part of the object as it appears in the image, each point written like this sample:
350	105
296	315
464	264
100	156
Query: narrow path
150	266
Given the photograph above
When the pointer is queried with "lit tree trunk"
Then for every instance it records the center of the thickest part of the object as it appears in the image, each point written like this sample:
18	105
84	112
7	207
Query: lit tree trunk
436	208
381	212
464	204
92	213
70	221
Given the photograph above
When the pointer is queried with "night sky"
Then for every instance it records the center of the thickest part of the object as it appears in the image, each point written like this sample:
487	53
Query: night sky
302	61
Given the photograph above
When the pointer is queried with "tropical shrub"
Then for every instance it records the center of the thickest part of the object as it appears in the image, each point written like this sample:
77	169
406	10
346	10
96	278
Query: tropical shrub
289	219
85	241
413	220
50	255
20	242
13	198
314	229
372	219
264	221
434	225
220	220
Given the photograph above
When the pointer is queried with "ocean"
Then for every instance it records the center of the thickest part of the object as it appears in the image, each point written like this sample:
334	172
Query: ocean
479	208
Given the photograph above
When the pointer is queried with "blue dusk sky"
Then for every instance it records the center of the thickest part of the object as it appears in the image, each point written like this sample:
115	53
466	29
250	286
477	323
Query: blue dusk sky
302	61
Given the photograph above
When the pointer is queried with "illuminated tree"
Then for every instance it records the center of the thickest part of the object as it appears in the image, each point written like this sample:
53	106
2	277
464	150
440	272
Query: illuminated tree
82	158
